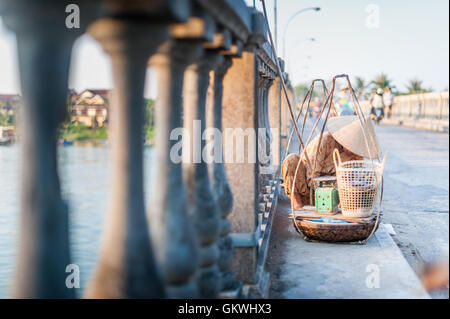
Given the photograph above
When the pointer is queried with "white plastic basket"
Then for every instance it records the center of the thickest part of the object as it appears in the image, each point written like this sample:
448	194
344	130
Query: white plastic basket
358	185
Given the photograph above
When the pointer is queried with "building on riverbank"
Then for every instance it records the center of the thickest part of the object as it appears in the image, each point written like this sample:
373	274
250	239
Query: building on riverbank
6	135
91	107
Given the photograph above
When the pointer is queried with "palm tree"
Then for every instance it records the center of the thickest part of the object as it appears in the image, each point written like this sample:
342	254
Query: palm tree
415	86
361	86
382	81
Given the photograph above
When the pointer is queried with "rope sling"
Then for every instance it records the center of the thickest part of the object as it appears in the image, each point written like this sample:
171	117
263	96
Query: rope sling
330	104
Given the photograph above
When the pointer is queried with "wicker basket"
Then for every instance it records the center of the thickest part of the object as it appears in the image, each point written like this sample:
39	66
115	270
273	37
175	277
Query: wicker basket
358	184
351	232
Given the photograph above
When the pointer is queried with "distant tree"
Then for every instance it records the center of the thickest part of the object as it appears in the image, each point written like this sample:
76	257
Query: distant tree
415	86
149	113
70	111
361	86
300	90
7	119
95	123
149	121
382	81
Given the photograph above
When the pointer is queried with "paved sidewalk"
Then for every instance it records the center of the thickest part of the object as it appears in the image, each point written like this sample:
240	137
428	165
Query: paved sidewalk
416	194
302	269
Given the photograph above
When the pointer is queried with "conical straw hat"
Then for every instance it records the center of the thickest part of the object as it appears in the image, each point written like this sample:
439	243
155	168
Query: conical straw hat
348	132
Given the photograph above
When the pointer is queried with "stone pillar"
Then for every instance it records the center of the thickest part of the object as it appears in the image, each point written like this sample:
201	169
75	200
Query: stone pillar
218	175
284	115
275	121
204	209
266	83
171	227
240	114
127	267
44	46
286	122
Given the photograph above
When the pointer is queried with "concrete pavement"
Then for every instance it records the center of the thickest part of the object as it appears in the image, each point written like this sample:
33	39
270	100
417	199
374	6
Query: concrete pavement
416	204
416	197
302	269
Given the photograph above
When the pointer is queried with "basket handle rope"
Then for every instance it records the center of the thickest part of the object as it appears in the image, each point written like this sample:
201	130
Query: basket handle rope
383	163
338	162
308	97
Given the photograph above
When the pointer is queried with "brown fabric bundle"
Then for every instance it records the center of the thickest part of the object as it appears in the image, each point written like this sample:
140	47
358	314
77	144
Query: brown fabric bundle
322	166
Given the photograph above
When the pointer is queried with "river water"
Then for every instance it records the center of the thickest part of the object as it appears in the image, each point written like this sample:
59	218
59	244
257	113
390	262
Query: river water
85	182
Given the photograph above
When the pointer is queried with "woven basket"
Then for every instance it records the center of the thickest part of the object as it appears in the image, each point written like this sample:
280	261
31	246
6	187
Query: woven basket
351	232
358	184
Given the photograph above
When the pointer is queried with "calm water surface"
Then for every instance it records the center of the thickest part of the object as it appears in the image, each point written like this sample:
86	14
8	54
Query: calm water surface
85	185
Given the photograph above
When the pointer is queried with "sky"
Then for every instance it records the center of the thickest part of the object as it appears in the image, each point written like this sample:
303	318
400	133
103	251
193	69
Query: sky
409	39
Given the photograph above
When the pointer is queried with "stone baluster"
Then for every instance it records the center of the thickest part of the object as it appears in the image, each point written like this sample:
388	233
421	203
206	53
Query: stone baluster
127	267
264	137
203	206
284	129
218	176
268	84
261	121
44	46
240	112
266	154
275	121
171	227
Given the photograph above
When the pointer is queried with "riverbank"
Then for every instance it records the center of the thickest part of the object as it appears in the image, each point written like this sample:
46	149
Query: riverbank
82	135
81	132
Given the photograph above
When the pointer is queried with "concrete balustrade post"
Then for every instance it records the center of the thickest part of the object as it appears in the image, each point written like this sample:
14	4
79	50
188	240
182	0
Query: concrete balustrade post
172	230
219	178
127	268
241	100
266	153
275	121
240	114
262	142
202	203
286	122
44	46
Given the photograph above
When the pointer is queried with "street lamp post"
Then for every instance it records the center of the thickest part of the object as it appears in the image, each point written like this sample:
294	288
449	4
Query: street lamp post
289	22
275	14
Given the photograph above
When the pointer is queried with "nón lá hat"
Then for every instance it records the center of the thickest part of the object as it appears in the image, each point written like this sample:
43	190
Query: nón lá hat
348	131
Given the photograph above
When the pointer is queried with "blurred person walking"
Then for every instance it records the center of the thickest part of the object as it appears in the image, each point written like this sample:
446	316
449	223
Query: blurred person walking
317	108
344	105
388	100
377	106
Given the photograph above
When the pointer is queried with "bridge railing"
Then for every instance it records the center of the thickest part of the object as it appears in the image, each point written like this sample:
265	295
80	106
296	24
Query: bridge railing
205	232
424	111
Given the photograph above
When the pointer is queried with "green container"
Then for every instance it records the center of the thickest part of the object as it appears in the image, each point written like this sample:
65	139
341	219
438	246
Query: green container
327	200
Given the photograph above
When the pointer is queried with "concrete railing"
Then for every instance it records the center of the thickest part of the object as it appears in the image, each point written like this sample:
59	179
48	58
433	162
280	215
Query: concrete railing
428	111
205	232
